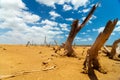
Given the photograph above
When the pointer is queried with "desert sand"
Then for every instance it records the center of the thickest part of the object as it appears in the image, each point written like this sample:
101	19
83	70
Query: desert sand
41	63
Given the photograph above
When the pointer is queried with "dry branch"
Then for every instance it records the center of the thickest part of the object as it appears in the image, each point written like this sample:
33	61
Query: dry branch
75	28
17	74
106	51
49	68
28	43
55	43
113	51
25	72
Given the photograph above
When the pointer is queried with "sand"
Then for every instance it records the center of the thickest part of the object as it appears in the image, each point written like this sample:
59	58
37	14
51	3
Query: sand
41	63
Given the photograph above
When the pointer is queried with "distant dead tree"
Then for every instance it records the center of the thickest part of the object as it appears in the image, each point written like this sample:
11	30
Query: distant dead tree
74	45
55	43
28	43
75	28
114	49
91	62
45	41
115	52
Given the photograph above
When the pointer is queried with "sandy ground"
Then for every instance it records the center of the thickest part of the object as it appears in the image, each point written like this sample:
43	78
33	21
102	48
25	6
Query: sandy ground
39	64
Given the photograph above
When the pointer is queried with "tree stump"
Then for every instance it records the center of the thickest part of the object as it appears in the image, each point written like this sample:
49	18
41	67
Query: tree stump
113	51
91	61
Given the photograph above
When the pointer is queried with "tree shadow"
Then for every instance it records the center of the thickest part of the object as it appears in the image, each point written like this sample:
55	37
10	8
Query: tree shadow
92	75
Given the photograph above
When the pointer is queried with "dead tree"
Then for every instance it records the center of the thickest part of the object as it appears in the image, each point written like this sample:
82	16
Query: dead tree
28	43
92	61
45	41
75	28
113	53
55	43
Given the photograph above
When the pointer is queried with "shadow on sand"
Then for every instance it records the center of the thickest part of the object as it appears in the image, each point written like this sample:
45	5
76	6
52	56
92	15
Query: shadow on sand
92	74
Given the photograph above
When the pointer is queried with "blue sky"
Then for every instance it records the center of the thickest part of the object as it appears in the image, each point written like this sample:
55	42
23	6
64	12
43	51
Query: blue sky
32	20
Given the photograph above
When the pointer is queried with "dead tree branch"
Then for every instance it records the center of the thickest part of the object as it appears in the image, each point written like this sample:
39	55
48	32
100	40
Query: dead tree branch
92	61
113	53
75	28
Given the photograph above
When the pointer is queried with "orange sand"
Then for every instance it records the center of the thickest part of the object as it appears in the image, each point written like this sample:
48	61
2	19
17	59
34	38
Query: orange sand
19	58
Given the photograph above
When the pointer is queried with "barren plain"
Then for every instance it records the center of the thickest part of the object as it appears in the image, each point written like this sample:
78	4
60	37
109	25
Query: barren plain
18	62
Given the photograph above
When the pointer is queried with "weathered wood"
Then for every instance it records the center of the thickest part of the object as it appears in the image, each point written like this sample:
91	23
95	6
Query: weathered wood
106	51
55	43
28	43
45	42
92	61
113	51
75	28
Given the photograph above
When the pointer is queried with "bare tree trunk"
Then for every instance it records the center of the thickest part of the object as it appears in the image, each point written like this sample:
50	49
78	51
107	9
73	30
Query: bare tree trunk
28	43
91	61
55	43
68	44
45	42
73	32
113	51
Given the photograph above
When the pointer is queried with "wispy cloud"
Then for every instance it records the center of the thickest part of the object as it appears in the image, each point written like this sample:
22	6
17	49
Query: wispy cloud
100	29
64	27
83	39
75	3
83	33
69	19
54	14
67	7
84	10
117	26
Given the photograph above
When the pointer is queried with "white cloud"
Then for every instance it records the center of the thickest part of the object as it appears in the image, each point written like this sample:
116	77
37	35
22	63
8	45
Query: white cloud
86	10
54	14
79	3
13	4
113	33
48	2
48	22
94	29
14	20
83	18
118	26
88	30
75	3
83	39
93	17
69	19
90	39
67	7
83	33
101	29
30	18
64	27
118	23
